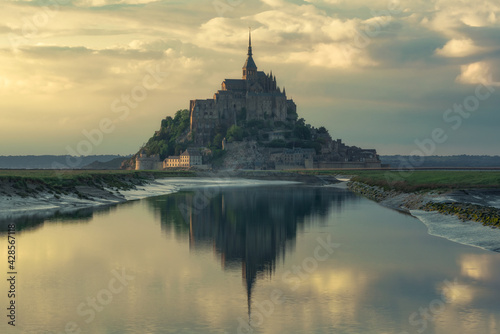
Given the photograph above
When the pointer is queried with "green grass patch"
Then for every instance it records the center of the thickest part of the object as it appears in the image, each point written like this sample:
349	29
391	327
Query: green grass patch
419	180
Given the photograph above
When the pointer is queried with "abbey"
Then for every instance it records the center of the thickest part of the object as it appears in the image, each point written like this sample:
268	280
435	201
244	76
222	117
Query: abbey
255	96
262	127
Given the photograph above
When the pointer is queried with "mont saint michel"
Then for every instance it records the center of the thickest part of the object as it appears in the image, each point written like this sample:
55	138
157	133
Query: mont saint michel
249	123
333	169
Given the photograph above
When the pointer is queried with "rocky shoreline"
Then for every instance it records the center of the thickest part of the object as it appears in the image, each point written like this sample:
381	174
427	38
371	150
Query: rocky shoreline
488	216
476	205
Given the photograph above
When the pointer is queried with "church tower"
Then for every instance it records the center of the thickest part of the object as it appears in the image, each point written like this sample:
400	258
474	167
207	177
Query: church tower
249	69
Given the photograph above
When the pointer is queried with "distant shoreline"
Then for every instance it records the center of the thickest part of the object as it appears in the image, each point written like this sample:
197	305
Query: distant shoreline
390	168
110	161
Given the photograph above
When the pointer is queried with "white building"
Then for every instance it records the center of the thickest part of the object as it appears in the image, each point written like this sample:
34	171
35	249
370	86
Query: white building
171	162
188	158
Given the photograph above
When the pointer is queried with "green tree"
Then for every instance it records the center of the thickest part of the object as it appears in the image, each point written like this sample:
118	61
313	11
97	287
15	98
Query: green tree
322	130
241	115
301	131
165	141
217	142
234	133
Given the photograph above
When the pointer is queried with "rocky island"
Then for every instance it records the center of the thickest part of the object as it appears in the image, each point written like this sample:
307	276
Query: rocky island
250	123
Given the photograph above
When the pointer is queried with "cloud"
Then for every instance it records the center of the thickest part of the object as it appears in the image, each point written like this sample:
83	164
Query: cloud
450	15
332	56
296	34
51	69
275	3
458	48
104	3
476	73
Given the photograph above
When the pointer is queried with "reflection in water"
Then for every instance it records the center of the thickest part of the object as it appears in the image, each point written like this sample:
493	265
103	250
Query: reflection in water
254	227
35	220
387	271
482	269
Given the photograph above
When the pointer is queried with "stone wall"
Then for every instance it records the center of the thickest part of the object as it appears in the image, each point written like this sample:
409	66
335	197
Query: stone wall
148	163
347	164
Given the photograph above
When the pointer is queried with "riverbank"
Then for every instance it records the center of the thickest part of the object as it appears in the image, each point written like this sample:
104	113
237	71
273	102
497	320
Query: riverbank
26	192
467	216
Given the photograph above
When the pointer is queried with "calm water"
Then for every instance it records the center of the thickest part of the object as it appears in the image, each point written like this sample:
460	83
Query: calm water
283	259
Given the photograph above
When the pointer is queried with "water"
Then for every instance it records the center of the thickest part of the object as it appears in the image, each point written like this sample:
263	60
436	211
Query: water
281	259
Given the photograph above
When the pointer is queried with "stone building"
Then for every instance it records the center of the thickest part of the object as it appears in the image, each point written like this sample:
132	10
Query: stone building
336	154
146	162
190	157
171	162
294	158
255	96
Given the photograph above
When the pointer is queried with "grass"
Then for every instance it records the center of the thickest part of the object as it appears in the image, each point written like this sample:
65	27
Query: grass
420	180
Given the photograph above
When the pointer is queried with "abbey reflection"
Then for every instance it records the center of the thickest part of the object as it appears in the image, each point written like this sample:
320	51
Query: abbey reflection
248	227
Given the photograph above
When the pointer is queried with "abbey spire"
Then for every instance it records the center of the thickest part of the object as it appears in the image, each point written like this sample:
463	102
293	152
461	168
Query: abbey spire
249	69
249	42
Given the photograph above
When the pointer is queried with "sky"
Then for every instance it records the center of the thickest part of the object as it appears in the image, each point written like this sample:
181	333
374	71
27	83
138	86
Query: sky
404	77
